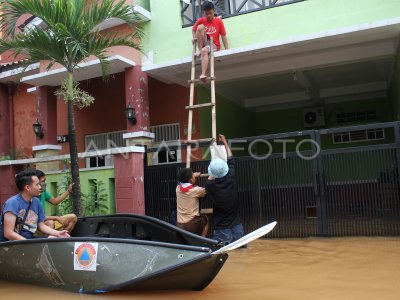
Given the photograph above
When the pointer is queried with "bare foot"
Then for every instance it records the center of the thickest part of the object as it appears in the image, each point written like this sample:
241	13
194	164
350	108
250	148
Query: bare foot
197	53
203	78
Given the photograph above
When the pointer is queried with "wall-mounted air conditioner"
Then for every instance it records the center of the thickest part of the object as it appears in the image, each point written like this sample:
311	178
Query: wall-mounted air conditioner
313	117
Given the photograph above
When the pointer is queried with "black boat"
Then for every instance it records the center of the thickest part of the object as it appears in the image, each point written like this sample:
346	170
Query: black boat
118	252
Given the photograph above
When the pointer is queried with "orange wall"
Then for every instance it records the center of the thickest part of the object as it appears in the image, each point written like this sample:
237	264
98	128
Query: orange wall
24	117
167	105
124	51
8	56
104	115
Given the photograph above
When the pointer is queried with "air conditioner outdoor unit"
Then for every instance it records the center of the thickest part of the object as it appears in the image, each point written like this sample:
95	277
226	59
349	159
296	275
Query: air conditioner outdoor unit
313	117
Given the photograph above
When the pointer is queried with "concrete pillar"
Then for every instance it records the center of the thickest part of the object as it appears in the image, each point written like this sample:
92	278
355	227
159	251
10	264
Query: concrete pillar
46	151
7	182
129	182
136	93
46	109
141	138
128	168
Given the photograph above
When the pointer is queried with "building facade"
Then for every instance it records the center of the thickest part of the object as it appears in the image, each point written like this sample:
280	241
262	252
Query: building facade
291	66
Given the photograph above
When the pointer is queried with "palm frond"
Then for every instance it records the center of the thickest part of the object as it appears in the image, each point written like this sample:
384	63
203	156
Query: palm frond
99	43
72	34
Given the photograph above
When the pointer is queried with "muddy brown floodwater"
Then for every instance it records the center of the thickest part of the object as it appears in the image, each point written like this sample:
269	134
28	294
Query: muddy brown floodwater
311	269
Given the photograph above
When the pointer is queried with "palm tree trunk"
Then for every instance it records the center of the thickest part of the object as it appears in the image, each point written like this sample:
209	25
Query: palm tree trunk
73	149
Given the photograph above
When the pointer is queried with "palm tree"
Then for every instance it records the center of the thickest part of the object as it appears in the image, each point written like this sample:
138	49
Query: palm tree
71	37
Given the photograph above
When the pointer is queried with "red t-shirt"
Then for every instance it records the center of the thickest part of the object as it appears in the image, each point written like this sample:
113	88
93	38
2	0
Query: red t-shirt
214	28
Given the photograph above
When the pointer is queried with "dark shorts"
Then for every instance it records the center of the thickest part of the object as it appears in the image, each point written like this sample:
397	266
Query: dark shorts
207	45
195	225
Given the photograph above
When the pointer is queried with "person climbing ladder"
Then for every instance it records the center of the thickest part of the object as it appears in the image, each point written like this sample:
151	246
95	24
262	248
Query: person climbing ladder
208	26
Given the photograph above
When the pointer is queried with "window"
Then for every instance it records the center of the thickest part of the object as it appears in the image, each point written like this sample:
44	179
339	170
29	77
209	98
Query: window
221	8
359	136
240	6
102	141
191	9
356	116
167	157
190	12
166	136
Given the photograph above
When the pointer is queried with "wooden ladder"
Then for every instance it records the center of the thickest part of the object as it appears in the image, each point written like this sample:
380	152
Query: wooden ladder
193	80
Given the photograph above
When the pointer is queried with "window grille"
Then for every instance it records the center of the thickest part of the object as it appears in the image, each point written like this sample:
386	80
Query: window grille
356	116
166	132
164	136
359	136
191	9
102	141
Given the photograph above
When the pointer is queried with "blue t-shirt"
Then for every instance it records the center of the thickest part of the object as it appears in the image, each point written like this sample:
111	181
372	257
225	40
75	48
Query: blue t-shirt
17	206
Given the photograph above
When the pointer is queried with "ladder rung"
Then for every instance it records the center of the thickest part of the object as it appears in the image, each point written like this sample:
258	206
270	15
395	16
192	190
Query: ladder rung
206	210
198	79
197	141
200	105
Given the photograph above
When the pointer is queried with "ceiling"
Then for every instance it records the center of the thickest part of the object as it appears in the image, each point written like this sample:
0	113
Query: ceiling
328	84
339	66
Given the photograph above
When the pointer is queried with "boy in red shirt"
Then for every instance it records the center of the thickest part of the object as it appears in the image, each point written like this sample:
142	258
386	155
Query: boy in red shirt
204	28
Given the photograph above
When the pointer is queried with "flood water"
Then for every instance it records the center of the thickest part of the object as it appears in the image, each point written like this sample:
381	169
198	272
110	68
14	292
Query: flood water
337	268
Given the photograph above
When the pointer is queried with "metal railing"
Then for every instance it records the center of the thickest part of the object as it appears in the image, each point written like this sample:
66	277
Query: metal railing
347	191
191	9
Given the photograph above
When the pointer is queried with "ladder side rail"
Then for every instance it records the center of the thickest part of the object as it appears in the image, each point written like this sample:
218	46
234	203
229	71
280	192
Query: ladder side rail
191	100
212	82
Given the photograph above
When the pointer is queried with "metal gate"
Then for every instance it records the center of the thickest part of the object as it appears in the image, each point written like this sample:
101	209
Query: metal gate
359	186
311	190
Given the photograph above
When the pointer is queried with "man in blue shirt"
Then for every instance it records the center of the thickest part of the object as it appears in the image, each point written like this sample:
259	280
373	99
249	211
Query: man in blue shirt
22	214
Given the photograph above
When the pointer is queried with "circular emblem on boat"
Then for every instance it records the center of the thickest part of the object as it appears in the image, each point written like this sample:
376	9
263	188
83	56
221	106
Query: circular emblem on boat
85	256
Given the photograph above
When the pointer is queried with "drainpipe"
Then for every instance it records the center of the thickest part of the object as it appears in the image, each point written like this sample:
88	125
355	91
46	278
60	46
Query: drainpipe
10	86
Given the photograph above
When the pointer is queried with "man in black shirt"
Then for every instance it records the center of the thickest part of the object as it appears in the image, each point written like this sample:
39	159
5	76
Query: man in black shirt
222	189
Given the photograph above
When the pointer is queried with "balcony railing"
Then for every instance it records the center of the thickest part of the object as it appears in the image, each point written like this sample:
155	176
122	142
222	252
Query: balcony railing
191	9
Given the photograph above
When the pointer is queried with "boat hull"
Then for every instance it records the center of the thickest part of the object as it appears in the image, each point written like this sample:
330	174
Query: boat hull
139	227
98	265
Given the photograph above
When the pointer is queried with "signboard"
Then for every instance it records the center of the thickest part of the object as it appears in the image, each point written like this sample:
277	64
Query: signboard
62	138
